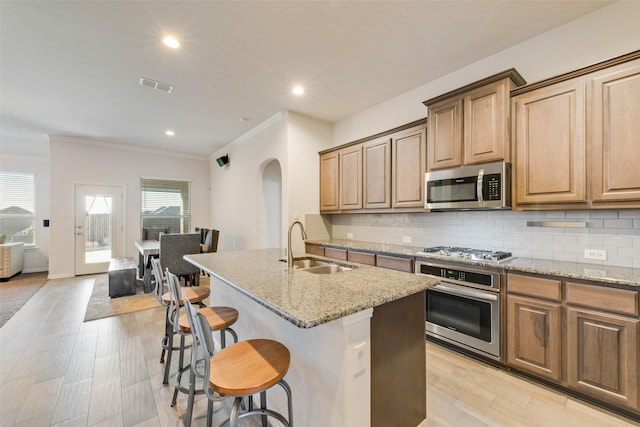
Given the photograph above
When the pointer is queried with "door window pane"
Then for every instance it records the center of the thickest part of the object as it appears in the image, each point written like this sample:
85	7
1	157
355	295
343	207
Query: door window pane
98	227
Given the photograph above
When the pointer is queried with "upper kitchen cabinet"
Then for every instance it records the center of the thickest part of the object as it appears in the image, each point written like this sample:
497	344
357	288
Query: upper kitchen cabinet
575	138
329	181
409	161
550	144
350	182
381	173
471	125
376	168
615	134
341	179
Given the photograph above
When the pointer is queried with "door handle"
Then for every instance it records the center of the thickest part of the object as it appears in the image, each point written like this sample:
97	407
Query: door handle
79	233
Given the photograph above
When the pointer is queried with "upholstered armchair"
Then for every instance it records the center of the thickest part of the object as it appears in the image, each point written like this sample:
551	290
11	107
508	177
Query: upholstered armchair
153	233
11	260
210	241
173	247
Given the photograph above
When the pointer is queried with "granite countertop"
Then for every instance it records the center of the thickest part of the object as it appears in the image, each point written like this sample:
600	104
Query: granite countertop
619	276
303	298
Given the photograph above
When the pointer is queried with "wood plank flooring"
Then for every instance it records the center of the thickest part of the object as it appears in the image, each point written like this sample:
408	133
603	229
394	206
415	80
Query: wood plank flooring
56	370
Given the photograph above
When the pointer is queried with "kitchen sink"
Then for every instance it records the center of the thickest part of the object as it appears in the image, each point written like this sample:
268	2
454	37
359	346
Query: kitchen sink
326	269
318	266
309	262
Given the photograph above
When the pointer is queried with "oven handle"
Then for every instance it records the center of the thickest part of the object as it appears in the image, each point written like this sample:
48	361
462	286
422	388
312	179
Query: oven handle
465	292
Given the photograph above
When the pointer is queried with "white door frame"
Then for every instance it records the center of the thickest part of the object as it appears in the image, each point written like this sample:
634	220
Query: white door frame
118	226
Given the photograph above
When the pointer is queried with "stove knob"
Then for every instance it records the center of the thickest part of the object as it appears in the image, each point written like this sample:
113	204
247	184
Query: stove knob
460	255
468	256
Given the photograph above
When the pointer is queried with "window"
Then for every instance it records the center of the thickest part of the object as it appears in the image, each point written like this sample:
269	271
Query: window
165	203
17	207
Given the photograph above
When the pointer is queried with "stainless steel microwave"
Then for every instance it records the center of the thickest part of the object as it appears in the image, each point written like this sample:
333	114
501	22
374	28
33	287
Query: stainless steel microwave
485	186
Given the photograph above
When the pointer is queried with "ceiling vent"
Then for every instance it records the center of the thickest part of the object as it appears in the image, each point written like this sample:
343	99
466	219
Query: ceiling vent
154	84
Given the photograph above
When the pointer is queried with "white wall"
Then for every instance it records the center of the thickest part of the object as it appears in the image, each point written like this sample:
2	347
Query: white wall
36	258
77	161
603	34
236	190
306	137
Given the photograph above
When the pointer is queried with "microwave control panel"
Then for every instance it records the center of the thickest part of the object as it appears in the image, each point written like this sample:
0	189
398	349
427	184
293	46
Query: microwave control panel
492	187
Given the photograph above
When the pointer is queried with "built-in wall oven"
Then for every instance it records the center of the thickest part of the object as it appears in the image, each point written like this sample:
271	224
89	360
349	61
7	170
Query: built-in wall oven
464	309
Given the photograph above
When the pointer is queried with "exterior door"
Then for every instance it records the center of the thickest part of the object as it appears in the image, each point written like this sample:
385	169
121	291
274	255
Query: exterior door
99	227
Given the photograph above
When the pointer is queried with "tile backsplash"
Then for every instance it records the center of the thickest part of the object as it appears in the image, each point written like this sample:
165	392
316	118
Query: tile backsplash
615	231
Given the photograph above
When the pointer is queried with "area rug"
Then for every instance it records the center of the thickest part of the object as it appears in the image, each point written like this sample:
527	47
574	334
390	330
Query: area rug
17	291
101	305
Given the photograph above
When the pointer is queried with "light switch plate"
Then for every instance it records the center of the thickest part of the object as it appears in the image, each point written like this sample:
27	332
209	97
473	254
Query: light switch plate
406	239
595	254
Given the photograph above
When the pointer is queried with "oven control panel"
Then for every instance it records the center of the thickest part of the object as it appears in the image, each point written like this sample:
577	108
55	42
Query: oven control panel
465	277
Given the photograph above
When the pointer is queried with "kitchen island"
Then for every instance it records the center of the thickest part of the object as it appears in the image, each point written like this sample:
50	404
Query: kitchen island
356	337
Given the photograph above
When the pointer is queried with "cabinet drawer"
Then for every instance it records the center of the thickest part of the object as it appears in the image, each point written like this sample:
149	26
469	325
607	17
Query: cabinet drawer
395	263
534	286
313	249
361	257
336	253
604	298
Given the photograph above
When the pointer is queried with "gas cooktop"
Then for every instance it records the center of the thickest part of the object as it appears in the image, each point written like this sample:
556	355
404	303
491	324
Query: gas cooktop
454	252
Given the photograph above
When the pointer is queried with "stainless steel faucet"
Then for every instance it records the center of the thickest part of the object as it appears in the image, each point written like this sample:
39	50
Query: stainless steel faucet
289	250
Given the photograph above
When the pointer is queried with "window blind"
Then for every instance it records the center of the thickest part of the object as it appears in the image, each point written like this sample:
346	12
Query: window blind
17	206
165	204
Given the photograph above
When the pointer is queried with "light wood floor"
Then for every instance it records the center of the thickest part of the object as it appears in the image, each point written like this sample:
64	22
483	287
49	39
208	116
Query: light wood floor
56	370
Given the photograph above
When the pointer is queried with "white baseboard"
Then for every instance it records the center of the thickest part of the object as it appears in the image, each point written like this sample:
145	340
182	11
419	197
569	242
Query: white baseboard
60	276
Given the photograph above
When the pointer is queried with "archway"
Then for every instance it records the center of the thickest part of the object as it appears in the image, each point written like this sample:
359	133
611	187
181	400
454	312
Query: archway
270	229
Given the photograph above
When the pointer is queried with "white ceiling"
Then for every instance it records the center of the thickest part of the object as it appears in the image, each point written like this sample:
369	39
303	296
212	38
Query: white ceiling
72	67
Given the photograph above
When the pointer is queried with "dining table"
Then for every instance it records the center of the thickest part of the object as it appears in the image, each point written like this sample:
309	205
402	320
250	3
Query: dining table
147	249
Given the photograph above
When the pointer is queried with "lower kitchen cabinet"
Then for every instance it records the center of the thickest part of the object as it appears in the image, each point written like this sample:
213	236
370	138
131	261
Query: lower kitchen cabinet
602	356
314	249
533	336
582	336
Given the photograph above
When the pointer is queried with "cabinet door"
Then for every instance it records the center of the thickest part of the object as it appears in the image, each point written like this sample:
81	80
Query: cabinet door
351	177
550	144
314	249
445	134
615	134
533	336
376	164
486	128
409	161
602	356
329	180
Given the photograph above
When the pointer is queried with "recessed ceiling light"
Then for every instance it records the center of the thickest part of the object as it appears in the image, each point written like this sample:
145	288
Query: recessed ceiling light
169	133
298	90
171	41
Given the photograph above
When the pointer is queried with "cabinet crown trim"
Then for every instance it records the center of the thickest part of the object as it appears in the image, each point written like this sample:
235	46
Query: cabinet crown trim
577	73
419	122
511	73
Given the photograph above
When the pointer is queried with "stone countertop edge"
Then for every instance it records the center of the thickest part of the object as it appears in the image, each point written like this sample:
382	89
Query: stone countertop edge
304	299
620	276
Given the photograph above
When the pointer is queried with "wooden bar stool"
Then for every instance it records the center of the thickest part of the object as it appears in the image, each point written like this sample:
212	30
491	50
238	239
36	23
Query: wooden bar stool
217	318
194	294
240	370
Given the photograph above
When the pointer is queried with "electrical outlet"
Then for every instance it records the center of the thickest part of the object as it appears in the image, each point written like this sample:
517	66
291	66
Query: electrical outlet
359	358
349	235
406	239
595	254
